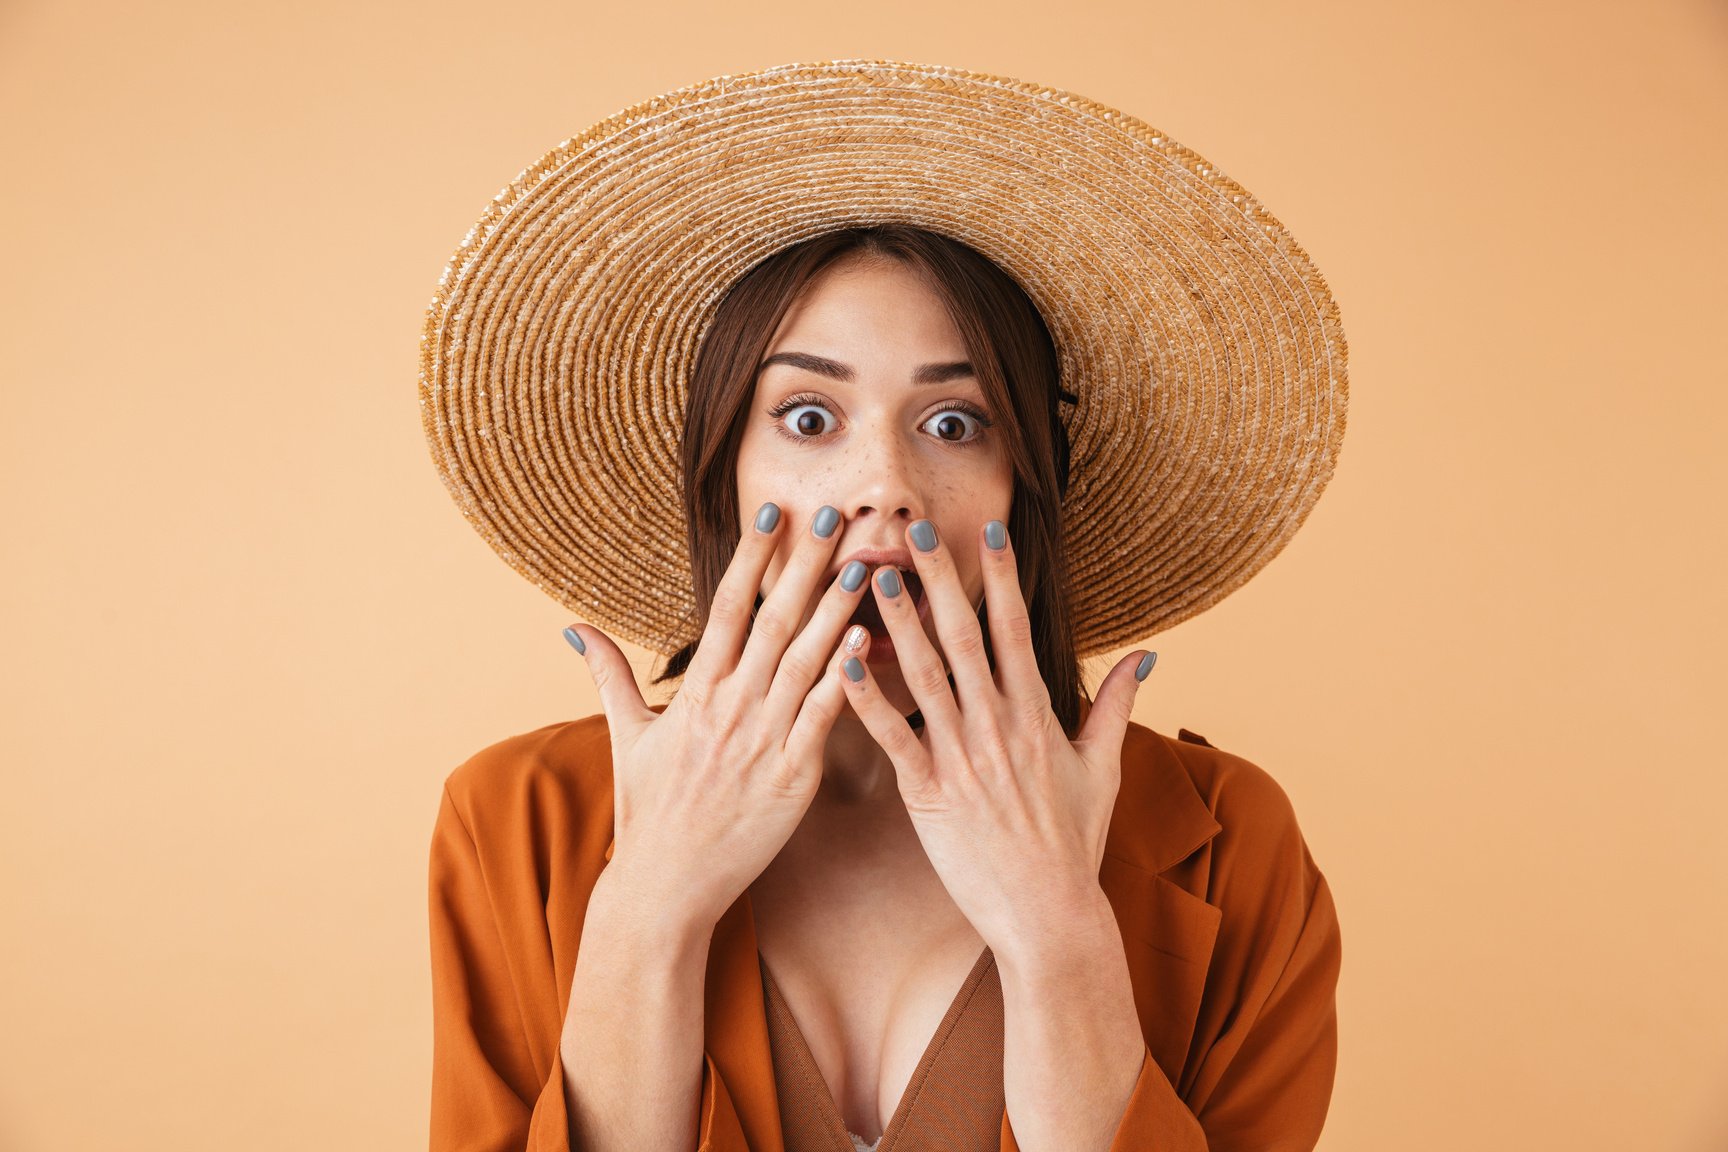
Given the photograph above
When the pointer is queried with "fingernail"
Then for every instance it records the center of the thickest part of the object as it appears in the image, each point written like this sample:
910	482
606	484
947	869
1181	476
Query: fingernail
575	641
827	519
889	581
996	535
855	637
853	575
1146	663
767	517
924	536
854	669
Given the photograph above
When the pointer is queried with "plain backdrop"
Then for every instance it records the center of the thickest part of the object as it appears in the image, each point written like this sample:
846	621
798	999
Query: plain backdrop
247	633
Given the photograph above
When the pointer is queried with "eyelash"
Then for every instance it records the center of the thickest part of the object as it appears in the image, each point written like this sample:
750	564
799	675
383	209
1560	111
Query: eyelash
802	399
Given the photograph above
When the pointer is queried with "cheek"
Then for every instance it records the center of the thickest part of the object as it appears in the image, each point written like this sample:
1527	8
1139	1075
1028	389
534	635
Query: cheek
757	480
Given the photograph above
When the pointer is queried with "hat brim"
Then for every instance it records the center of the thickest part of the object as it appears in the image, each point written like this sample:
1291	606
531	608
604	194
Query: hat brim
1206	350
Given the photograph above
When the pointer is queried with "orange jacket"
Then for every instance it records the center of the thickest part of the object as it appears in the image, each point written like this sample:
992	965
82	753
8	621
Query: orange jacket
1232	940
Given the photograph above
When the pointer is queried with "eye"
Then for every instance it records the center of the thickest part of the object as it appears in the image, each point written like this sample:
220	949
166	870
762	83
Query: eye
805	424
811	418
949	425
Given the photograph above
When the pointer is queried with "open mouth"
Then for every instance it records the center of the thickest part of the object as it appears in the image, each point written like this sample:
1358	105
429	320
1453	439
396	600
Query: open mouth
869	614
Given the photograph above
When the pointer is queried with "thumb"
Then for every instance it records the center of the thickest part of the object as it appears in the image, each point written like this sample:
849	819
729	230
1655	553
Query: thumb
620	697
1107	723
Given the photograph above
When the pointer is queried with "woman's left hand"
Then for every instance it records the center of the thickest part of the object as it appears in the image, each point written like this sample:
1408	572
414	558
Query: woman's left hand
1011	813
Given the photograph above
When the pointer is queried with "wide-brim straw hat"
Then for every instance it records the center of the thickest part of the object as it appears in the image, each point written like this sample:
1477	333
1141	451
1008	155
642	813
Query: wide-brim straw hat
1205	349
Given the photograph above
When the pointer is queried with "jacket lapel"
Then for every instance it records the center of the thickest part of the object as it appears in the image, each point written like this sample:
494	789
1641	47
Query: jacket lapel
736	1034
1168	932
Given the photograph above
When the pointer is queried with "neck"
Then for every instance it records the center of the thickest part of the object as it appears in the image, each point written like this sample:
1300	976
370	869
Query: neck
856	772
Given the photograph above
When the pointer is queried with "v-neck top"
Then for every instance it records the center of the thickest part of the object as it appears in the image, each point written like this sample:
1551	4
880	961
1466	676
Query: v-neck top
953	1103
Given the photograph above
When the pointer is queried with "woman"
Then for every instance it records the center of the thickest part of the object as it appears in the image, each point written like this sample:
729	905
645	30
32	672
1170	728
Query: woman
818	840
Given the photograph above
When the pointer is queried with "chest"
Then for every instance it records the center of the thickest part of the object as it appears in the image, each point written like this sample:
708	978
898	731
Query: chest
868	967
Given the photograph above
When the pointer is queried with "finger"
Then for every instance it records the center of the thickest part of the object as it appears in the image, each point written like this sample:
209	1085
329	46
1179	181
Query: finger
627	713
912	764
734	599
823	705
804	661
778	621
1107	722
952	611
920	664
1010	622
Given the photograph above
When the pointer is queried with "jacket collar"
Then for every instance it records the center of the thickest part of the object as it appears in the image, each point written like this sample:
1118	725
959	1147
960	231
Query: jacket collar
1159	820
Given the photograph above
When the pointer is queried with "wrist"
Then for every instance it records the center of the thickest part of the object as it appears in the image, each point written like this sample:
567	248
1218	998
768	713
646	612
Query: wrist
642	908
1063	944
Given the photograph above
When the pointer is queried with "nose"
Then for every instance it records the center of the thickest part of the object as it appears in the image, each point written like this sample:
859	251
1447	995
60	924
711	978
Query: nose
883	480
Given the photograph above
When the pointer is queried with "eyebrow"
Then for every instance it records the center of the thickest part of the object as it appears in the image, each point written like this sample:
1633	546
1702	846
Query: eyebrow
834	370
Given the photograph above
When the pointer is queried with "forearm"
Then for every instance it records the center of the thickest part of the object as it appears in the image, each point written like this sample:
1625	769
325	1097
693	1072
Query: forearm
632	1041
1072	1046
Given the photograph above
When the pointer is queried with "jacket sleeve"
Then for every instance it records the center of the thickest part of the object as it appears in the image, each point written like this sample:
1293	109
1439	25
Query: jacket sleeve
497	1073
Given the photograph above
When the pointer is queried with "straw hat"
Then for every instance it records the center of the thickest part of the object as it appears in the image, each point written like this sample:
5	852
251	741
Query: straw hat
1204	347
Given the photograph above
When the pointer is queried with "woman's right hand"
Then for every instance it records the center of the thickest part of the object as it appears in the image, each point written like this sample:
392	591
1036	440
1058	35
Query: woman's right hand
707	792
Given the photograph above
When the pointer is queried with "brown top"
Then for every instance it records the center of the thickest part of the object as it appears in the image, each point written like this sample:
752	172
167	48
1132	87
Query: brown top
953	1103
1228	928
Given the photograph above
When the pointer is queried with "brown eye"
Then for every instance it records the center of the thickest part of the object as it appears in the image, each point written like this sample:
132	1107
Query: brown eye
806	419
950	425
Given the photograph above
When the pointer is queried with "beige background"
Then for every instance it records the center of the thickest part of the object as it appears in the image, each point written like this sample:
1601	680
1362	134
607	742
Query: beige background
247	634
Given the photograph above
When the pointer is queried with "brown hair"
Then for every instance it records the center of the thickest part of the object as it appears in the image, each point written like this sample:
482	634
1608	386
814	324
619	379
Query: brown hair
1014	361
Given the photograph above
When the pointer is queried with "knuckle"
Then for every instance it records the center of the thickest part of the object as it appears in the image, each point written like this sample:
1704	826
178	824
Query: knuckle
772	626
904	743
929	676
1016	628
728	604
697	693
967	643
786	778
1032	710
801	666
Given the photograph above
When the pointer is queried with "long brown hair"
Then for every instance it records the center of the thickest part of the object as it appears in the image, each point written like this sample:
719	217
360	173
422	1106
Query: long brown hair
1014	361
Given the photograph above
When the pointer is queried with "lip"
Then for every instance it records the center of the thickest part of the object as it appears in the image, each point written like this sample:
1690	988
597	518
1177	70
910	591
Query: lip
875	557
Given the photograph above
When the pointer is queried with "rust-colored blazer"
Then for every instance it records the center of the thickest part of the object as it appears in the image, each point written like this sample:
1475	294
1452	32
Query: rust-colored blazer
1232	940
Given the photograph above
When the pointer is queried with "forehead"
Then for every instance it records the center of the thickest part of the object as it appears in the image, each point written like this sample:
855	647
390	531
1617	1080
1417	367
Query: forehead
871	308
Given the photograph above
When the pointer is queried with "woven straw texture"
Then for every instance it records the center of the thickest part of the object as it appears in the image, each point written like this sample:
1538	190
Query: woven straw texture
1206	350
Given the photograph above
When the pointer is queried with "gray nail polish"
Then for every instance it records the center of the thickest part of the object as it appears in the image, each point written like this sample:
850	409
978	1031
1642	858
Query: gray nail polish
853	575
827	519
924	536
854	669
995	535
889	581
575	641
767	517
1146	663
